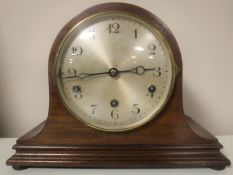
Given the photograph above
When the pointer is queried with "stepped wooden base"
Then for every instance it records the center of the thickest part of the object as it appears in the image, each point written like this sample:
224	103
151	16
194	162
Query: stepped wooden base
206	155
119	157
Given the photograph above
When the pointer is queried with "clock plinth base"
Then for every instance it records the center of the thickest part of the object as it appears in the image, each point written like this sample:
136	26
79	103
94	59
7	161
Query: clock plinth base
191	155
161	157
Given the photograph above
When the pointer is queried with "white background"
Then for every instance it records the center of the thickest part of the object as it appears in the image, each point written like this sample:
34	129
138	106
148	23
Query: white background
203	29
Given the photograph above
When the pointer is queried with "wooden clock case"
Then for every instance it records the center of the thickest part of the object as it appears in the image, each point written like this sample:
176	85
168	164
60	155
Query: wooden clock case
171	140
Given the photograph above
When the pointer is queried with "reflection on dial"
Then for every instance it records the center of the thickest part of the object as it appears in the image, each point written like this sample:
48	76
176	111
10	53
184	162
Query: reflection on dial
114	72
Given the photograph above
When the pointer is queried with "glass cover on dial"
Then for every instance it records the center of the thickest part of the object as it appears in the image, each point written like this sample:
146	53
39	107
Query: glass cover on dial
114	71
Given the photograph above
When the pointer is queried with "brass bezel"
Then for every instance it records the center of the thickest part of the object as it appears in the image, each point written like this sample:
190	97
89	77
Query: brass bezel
152	28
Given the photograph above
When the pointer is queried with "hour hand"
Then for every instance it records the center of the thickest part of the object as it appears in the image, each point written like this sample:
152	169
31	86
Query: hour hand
138	70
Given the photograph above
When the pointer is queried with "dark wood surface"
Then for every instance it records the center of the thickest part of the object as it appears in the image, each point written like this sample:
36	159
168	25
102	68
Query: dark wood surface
172	140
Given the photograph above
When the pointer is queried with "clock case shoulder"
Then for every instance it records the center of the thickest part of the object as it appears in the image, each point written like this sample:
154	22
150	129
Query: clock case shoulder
171	140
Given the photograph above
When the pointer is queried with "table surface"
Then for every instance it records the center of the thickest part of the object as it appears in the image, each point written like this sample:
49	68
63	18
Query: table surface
6	152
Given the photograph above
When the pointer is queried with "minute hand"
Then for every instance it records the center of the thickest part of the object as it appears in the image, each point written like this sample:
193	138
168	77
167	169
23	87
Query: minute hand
85	75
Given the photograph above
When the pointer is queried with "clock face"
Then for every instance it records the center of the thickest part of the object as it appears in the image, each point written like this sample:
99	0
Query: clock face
114	71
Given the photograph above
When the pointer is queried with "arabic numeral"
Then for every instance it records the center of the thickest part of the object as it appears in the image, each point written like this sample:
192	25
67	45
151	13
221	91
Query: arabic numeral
72	72
113	28
136	109
135	33
77	92
114	114
152	48
157	72
76	50
94	106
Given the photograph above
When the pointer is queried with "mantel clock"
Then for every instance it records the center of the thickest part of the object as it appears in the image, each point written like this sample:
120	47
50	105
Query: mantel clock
115	83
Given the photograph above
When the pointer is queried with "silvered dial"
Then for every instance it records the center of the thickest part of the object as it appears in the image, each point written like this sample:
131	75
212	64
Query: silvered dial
114	72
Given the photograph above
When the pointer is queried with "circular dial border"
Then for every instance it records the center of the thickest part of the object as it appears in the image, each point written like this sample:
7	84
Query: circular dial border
76	89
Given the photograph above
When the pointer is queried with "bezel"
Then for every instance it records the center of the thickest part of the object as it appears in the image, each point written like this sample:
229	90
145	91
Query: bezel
152	27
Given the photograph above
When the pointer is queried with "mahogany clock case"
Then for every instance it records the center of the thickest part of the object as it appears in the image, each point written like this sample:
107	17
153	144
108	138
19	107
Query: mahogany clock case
172	140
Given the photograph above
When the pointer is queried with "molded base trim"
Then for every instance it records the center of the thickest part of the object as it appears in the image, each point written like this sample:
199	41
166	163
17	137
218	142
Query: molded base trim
128	156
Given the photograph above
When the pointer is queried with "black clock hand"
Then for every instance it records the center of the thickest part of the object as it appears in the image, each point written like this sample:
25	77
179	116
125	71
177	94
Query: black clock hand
85	75
138	70
113	72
